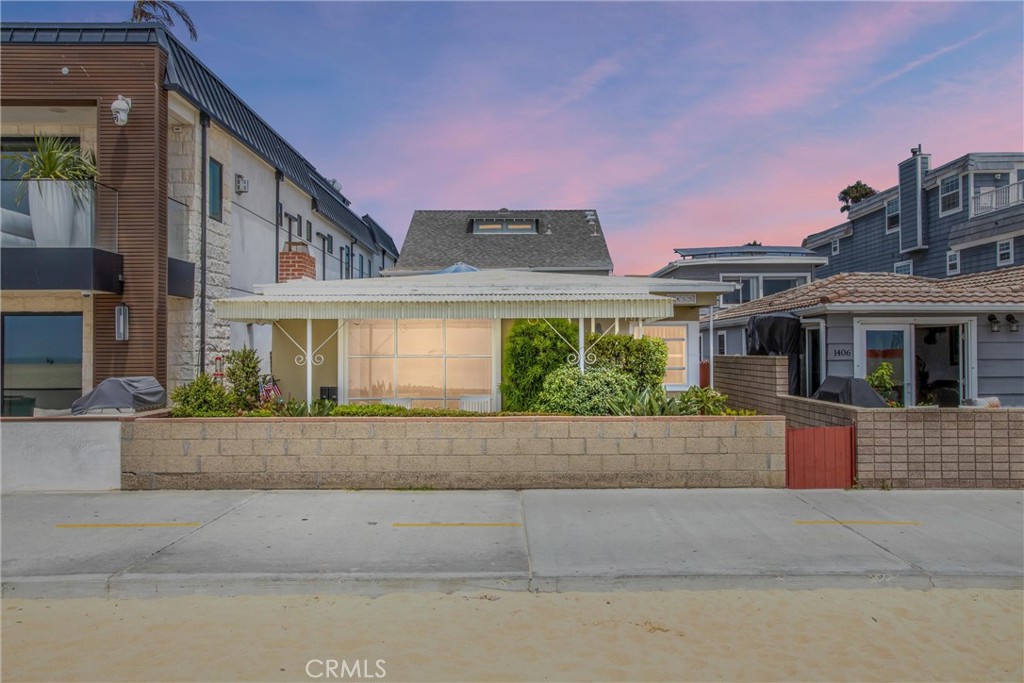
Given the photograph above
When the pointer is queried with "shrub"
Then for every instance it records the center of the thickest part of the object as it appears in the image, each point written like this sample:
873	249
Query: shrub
643	359
703	401
647	401
532	350
242	370
202	397
567	390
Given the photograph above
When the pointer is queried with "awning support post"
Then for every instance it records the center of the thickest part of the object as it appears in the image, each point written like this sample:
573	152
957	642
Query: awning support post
309	364
582	354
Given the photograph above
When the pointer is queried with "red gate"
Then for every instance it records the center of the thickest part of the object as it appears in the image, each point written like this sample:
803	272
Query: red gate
820	457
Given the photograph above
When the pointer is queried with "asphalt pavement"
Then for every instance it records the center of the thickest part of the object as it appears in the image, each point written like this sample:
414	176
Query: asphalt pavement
159	543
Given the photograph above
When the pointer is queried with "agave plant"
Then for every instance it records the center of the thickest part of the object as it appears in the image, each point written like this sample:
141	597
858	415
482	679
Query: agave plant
647	402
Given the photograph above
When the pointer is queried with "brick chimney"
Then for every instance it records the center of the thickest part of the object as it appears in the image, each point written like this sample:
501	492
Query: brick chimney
295	262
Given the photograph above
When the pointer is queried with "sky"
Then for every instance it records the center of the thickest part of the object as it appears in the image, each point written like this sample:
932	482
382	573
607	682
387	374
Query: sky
684	124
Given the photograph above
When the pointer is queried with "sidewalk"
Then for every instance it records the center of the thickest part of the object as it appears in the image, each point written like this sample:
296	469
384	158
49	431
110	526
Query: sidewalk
142	544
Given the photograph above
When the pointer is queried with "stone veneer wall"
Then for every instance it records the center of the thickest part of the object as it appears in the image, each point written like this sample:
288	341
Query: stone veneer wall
453	453
924	447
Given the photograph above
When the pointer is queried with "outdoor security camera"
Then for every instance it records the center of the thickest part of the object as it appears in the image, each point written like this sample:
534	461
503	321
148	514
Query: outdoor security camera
120	108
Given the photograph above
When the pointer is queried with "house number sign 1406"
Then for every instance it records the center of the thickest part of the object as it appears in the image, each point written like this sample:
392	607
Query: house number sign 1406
840	352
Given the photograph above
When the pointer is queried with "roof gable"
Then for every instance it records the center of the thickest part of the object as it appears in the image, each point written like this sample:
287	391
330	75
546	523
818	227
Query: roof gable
565	240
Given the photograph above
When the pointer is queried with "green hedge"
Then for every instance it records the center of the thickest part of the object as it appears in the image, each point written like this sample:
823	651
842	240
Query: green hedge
643	359
567	390
532	351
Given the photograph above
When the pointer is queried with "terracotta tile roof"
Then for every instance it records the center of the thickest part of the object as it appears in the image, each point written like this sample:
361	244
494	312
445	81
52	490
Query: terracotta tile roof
1002	286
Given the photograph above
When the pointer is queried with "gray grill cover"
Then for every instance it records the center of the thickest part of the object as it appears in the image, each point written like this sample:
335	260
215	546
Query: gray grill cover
122	392
851	391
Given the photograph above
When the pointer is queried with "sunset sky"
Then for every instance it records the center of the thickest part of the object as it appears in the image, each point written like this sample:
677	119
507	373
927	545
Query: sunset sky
683	124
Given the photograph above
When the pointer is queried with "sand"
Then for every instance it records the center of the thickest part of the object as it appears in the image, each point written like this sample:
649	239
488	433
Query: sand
730	635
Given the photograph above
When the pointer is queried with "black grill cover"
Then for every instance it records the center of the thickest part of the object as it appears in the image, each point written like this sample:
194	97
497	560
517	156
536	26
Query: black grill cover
122	392
777	334
851	391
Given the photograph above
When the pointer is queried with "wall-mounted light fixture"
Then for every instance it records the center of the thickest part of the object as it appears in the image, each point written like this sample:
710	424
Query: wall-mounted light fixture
993	322
119	108
121	322
1012	321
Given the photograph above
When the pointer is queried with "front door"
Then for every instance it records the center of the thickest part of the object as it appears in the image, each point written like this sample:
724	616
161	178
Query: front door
891	344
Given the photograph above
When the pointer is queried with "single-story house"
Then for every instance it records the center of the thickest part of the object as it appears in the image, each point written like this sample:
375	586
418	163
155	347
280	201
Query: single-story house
960	333
436	340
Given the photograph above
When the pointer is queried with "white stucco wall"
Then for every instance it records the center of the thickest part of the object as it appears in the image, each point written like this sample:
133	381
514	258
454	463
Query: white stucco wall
82	454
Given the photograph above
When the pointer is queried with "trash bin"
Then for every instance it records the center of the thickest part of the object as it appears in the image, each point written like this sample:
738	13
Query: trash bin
19	406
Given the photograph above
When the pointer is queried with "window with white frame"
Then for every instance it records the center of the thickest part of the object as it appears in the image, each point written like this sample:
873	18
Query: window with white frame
748	290
953	263
431	362
949	194
1004	253
835	247
903	268
892	215
720	343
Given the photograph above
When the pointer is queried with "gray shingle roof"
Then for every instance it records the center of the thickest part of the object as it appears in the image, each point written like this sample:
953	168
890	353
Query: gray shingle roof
987	226
194	81
565	240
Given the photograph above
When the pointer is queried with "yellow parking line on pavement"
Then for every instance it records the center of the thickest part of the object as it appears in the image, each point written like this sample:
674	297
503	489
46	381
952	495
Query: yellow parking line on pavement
406	525
877	522
129	525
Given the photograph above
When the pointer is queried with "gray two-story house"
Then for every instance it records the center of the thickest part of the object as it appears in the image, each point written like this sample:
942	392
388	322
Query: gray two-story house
966	216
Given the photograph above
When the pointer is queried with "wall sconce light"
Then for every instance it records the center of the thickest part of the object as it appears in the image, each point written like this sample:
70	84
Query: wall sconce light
121	322
1012	321
119	108
993	322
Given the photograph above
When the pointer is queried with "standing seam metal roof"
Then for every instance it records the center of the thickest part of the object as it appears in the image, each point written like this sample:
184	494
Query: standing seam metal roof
193	80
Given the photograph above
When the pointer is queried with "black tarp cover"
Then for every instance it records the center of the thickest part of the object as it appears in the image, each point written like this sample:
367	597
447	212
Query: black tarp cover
851	391
122	392
777	334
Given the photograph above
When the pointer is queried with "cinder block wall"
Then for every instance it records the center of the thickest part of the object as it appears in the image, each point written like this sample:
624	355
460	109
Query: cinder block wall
923	447
453	453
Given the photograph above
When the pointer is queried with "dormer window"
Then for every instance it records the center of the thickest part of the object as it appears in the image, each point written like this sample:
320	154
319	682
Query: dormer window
515	226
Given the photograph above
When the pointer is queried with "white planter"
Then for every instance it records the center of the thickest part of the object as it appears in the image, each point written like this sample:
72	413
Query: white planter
52	208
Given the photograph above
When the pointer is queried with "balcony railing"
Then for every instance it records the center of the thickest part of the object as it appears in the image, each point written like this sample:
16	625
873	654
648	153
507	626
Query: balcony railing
177	229
58	213
999	198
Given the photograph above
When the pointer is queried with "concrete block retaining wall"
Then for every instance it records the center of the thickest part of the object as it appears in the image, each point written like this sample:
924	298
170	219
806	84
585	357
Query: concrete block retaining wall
453	453
924	447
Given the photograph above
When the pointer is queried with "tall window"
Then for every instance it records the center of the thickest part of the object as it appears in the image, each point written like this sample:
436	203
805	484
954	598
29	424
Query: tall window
361	274
431	362
949	194
892	215
835	247
42	361
216	190
720	343
953	263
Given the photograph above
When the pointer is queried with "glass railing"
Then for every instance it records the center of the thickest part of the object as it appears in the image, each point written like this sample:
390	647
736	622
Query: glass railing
58	213
177	230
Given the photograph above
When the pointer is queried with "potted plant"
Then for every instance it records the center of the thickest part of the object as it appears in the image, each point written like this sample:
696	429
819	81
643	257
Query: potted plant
56	176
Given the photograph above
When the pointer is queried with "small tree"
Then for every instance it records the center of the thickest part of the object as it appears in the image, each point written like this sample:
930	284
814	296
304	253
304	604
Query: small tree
242	370
532	351
852	194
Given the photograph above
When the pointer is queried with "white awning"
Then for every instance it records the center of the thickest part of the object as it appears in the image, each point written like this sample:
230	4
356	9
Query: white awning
492	294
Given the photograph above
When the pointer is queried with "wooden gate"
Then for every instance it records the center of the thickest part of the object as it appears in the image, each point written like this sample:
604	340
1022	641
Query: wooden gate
820	457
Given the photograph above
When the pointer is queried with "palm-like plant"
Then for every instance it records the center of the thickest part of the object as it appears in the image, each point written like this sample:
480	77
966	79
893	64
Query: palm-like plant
161	11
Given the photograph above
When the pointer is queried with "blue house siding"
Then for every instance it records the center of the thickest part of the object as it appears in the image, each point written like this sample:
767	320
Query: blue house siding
867	249
983	257
1000	361
870	249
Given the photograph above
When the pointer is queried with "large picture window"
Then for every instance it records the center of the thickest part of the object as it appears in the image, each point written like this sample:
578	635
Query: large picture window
42	362
430	362
675	339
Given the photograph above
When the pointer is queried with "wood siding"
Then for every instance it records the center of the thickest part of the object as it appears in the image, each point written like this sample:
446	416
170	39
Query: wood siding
131	159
